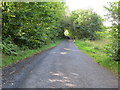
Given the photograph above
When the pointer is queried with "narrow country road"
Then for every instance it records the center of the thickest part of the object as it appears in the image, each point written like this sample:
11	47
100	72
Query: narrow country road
64	66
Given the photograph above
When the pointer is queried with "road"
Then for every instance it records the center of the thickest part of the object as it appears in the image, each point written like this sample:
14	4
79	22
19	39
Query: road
64	66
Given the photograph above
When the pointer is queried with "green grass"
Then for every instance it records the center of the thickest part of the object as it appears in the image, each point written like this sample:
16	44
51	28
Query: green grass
95	49
7	60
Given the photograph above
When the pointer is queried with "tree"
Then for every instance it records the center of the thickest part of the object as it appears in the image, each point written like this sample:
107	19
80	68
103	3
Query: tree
85	24
113	15
31	24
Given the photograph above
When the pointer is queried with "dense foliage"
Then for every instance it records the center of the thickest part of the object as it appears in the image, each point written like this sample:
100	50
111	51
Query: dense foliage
85	24
30	24
112	49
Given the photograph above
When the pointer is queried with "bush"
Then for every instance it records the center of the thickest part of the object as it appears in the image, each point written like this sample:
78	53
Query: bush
112	49
9	48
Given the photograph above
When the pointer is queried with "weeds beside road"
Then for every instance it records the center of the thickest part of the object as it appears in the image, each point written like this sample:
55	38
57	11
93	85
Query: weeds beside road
96	50
22	54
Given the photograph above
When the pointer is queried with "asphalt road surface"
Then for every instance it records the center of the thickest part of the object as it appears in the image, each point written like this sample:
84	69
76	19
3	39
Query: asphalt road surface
64	66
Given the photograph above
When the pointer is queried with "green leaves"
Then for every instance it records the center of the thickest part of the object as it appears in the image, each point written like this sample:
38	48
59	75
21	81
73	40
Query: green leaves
32	24
112	49
85	23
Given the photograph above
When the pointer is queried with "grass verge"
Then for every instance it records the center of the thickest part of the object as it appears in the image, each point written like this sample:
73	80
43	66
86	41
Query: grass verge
7	60
95	49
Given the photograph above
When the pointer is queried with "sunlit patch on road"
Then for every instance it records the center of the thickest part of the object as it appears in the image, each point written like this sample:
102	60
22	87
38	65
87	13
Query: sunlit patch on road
63	52
65	77
56	73
64	80
52	87
58	80
75	74
66	48
70	85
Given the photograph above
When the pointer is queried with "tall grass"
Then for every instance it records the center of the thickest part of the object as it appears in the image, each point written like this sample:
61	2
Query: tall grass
96	50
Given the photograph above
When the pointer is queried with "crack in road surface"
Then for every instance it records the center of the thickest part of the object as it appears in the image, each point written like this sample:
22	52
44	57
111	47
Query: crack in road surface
64	66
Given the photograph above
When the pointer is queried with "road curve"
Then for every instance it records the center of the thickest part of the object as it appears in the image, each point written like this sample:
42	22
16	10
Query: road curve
64	66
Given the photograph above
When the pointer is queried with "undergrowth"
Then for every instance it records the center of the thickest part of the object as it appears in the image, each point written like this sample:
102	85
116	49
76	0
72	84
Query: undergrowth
96	49
22	54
